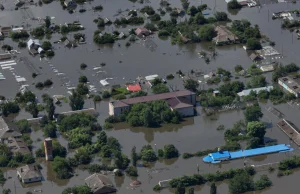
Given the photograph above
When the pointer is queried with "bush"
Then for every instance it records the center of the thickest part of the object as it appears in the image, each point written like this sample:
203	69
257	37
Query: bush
83	66
132	171
22	44
106	95
48	83
170	77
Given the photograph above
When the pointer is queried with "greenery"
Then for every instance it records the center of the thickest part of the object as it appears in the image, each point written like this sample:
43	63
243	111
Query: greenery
19	35
38	32
62	168
170	151
10	108
256	129
104	38
263	182
191	84
281	71
147	154
83	189
82	79
234	4
253	113
23	126
213	188
2	178
138	94
67	123
132	171
50	130
106	94
46	45
253	44
244	31
58	150
289	163
257	81
160	88
83	66
76	101
241	183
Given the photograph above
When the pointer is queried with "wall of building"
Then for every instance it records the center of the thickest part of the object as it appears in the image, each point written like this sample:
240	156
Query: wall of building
37	179
286	87
111	109
188	111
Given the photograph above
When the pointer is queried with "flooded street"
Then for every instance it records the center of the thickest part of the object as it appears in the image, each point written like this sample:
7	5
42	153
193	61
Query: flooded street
124	64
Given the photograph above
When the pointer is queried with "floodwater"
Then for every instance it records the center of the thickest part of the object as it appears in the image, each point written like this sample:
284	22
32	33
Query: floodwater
125	64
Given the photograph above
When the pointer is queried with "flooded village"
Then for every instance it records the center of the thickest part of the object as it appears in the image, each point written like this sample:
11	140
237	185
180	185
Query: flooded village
144	96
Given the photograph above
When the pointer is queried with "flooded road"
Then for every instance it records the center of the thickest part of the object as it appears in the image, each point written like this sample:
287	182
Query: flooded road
125	64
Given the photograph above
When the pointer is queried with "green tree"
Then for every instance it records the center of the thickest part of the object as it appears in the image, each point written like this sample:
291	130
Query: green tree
191	191
148	119
170	151
241	183
134	156
82	89
180	189
221	16
61	167
76	101
253	142
102	138
82	156
160	88
253	113
47	21
50	130
82	79
253	44
24	126
191	84
257	81
131	171
32	109
47	45
256	129
234	4
207	32
83	189
263	182
213	188
50	108
193	11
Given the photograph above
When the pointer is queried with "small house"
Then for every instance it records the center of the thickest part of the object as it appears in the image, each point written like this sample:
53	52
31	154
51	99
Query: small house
100	184
255	57
34	46
142	32
6	132
29	174
17	145
134	87
5	30
70	3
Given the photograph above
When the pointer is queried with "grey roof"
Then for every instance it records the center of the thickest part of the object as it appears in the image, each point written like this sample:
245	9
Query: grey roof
3	126
254	57
292	82
247	92
6	132
100	183
179	102
164	96
17	145
29	172
32	42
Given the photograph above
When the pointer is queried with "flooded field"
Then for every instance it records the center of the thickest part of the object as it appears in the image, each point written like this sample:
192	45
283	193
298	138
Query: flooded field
124	64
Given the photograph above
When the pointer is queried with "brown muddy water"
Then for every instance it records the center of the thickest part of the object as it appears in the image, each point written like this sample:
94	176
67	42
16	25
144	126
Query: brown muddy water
125	64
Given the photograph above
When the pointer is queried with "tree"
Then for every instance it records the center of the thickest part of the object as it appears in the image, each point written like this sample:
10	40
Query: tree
147	118
221	16
191	84
253	44
114	144
46	45
131	171
253	113
61	168
160	88
82	79
102	138
83	66
207	32
241	183
199	19
82	156
76	101
48	82
180	189
47	21
257	81
257	129
148	154
105	95
32	109
185	4
191	191
10	108
253	142
83	189
82	89
263	182
213	188
170	151
50	130
134	156
234	4
193	11
238	68
23	126
50	108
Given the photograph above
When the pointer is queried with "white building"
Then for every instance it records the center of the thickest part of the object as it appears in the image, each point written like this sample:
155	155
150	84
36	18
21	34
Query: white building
29	174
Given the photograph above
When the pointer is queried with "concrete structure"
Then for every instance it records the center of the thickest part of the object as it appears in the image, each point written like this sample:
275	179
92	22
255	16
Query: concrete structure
182	101
142	32
5	56
290	130
100	184
224	36
255	57
267	68
5	30
290	84
247	92
17	145
29	174
6	132
48	148
164	183
34	46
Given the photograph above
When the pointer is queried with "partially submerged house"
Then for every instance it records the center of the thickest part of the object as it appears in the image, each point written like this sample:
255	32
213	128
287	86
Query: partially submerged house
142	32
224	36
255	57
134	87
5	30
181	101
29	173
290	84
100	184
5	56
70	4
6	132
256	90
34	47
17	145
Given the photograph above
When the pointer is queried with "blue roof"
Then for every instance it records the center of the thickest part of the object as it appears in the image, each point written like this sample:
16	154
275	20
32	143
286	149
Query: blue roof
220	155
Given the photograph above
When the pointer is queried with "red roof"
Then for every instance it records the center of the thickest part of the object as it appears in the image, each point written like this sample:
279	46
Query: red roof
134	88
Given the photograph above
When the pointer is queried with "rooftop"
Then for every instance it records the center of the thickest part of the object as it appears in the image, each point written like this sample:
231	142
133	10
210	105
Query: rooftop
100	182
29	172
134	87
17	145
164	96
179	102
6	131
290	130
247	92
292	82
224	35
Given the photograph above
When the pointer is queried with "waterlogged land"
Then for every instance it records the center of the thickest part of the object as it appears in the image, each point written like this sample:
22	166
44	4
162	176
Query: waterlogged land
124	64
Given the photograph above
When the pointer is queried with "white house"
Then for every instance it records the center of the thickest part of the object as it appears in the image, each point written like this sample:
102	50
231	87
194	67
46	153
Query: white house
29	174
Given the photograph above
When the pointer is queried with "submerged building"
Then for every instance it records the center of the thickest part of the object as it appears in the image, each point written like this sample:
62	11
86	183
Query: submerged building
48	148
290	84
182	101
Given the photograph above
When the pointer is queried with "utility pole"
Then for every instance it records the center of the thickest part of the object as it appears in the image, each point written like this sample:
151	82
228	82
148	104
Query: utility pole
15	187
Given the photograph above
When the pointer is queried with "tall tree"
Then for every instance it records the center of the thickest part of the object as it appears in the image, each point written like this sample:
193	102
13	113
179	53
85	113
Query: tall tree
253	113
32	109
102	138
50	108
180	189
76	101
256	129
241	183
213	188
134	156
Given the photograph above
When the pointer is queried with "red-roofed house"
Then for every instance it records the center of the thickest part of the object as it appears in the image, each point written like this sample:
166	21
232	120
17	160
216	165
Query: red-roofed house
134	87
142	32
